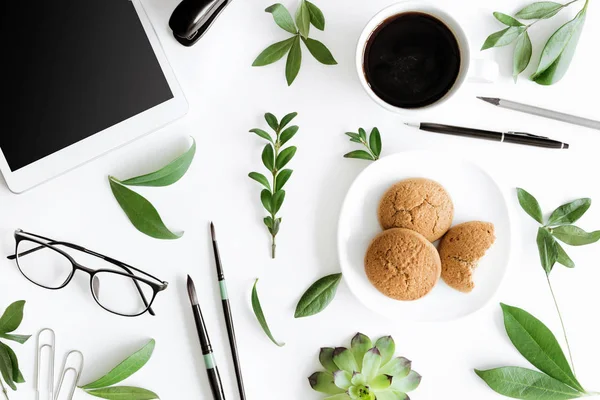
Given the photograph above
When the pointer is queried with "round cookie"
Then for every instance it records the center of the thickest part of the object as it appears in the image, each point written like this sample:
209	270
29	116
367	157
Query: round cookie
419	204
460	251
402	264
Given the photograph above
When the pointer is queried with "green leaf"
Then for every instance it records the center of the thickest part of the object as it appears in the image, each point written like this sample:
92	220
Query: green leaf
507	19
260	316
276	224
408	383
354	136
341	396
285	156
360	154
319	51
540	10
260	178
294	60
547	249
342	379
344	359
6	368
359	379
274	52
268	157
262	134
362	134
287	119
277	201
12	317
360	345
167	175
563	257
375	142
303	19
559	50
266	199
268	222
523	383
125	369
316	16
381	382
503	37
323	382
387	348
575	236
538	345
318	296
530	205
522	55
141	212
282	17
398	367
326	359
123	393
15	338
282	177
570	212
287	134
16	373
272	121
371	364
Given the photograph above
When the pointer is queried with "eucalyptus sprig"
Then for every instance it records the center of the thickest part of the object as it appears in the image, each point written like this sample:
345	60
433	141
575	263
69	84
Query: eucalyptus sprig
274	158
372	143
307	14
557	379
559	49
9	364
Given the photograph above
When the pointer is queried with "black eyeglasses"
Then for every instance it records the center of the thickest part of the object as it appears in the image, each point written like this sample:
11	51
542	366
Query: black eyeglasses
45	262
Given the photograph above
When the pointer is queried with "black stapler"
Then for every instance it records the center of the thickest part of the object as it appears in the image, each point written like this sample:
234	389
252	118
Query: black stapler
192	18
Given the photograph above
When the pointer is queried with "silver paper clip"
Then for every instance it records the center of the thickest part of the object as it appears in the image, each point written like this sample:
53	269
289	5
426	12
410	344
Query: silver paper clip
50	376
76	371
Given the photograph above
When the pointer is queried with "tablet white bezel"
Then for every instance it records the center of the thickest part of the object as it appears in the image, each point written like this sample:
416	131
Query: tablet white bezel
108	139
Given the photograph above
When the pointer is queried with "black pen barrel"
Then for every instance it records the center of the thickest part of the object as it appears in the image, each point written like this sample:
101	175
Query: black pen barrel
216	386
535	141
234	350
460	131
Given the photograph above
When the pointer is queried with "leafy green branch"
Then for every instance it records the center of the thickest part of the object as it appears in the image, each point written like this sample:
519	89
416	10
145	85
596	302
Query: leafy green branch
557	380
307	14
274	158
9	364
559	49
372	143
104	388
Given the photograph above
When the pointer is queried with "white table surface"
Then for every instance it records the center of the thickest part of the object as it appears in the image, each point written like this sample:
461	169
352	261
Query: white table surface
227	97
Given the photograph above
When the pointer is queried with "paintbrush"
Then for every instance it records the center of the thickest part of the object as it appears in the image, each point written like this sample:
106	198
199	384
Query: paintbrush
209	360
227	314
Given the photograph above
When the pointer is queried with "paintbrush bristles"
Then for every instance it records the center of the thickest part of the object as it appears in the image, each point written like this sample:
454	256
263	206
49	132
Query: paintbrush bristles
212	232
192	291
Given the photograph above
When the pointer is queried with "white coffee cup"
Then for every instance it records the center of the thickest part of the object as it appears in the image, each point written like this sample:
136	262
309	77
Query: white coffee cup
477	70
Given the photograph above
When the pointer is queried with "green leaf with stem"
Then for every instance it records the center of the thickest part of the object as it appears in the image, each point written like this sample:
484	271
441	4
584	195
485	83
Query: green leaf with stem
284	157
277	201
260	316
527	384
507	19
360	154
574	236
372	143
125	369
262	134
287	134
141	212
303	19
318	296
503	37
563	258
282	17
375	142
317	19
123	393
287	119
540	10
547	249
282	177
522	55
530	205
274	52
294	60
319	51
570	212
260	178
538	345
168	174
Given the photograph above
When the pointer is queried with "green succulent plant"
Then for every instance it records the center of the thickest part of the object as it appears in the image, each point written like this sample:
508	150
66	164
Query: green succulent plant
364	371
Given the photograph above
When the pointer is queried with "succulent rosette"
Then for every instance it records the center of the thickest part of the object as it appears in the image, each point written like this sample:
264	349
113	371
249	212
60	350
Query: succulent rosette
364	371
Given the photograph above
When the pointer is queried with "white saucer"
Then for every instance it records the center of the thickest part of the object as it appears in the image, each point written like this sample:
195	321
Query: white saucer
476	196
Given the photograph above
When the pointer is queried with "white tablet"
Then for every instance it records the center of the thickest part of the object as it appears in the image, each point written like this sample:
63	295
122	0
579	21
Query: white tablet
83	78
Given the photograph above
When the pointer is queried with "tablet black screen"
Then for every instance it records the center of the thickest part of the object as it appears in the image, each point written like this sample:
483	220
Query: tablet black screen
71	68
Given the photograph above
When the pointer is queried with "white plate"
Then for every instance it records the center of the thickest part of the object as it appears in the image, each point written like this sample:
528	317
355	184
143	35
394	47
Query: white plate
476	197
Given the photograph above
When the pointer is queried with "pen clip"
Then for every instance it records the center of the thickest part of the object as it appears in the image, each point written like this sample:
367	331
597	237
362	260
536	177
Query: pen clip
528	134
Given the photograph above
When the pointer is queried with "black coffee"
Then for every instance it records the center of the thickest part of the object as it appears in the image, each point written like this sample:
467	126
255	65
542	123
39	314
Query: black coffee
412	60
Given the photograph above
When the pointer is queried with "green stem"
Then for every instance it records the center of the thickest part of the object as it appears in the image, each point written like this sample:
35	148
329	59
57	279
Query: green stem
274	173
563	7
4	390
369	148
562	324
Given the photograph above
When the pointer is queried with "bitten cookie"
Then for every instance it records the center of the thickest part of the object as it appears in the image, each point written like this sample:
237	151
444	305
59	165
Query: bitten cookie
460	251
419	204
402	264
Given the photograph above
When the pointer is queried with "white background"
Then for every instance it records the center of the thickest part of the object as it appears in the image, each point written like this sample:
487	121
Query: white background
227	97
